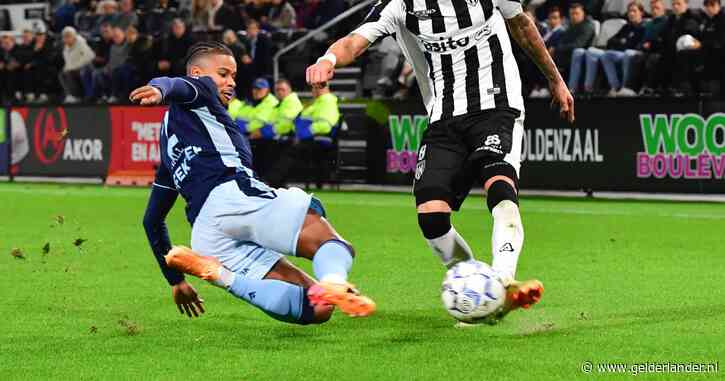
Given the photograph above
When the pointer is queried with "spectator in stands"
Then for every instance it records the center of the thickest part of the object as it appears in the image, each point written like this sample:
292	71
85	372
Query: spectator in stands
64	15
140	58
553	28
650	44
382	68
241	55
623	50
274	135
200	17
42	69
106	11
127	16
9	68
713	47
111	82
101	49
257	10
259	47
620	49
551	34
76	56
318	119
251	117
231	40
579	35
23	54
324	11
172	50
223	16
282	15
287	111
666	68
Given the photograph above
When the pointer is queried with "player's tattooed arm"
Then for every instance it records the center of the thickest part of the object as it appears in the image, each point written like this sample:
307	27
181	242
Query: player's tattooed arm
342	53
527	36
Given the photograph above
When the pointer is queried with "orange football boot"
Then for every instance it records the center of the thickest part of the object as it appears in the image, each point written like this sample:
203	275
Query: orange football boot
187	261
342	295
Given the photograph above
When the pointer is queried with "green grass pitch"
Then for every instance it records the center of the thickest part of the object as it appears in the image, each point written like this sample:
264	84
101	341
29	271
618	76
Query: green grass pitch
625	282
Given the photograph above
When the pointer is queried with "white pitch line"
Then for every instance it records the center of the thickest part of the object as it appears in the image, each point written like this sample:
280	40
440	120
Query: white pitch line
535	210
349	200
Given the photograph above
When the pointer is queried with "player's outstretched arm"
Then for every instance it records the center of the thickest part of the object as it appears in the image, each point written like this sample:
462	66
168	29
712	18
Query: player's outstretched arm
527	36
175	90
342	53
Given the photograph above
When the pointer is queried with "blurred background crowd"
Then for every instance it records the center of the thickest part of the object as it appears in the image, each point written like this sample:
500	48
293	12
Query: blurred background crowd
97	51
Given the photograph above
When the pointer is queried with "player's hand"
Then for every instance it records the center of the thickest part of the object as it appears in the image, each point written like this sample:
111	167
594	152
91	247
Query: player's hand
187	300
146	95
561	96
319	73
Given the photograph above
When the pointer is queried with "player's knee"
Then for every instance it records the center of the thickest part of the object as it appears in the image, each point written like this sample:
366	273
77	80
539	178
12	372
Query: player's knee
432	199
501	193
434	225
500	179
433	206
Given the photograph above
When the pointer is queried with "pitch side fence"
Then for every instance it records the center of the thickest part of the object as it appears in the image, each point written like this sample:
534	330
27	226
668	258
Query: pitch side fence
639	145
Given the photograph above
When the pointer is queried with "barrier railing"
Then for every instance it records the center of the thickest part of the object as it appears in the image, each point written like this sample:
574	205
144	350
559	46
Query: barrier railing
342	16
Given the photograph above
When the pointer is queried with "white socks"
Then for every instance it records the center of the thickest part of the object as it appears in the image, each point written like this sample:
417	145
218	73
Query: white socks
507	239
451	248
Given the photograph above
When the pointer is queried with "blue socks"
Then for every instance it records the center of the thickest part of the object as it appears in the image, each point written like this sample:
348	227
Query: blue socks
281	300
333	261
286	301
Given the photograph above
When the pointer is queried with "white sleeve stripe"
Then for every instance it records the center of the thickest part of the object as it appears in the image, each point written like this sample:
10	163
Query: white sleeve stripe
196	91
163	186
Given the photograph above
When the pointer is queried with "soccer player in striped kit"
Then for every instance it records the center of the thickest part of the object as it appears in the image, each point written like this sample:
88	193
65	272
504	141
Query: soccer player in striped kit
471	88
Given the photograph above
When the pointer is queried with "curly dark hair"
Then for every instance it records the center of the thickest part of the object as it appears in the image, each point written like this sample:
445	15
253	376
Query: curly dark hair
201	49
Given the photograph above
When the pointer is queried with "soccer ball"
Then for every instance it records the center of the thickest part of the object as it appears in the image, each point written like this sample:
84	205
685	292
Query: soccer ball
472	292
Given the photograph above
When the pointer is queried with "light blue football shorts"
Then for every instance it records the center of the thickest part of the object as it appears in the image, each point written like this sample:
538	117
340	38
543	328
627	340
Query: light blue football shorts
248	226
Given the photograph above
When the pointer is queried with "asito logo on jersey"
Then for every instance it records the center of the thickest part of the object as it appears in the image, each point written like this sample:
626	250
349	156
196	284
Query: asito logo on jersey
445	45
424	14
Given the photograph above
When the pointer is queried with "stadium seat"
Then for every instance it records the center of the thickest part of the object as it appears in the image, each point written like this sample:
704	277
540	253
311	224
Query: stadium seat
608	29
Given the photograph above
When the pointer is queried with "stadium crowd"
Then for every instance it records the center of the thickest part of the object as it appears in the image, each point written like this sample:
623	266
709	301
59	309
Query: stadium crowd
97	51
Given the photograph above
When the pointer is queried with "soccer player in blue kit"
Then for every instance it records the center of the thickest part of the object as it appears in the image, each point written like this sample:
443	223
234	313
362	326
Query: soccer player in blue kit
240	226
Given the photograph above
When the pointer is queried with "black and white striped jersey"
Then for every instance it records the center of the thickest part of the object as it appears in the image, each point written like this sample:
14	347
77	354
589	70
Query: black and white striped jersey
461	47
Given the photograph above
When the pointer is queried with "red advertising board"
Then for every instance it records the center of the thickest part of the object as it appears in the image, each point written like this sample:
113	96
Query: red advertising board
134	160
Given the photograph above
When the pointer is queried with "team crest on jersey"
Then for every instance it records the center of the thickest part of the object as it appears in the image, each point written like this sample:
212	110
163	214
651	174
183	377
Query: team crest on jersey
424	14
472	2
483	33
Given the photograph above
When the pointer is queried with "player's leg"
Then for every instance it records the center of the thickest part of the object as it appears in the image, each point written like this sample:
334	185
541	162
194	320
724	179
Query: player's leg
260	277
332	259
440	161
498	162
289	221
